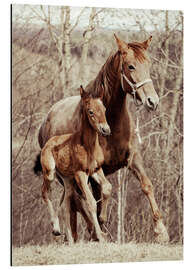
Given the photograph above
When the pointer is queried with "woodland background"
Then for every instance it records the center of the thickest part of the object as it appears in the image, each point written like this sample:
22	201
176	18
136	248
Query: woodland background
49	62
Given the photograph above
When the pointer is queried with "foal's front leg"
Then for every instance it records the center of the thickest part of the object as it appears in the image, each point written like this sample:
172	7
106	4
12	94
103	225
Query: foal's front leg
82	181
106	192
147	187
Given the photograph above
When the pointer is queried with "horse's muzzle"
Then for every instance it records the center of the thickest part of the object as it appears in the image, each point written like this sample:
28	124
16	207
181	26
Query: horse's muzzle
152	103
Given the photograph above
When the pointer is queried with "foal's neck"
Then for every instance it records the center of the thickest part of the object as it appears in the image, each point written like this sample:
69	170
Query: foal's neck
89	135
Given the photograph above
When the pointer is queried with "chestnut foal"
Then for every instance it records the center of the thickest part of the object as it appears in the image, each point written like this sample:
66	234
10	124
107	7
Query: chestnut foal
78	156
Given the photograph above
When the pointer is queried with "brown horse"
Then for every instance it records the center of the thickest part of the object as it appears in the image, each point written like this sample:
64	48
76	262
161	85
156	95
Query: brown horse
78	155
125	71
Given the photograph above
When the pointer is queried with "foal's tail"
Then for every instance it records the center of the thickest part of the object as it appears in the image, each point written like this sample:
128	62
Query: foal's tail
37	167
38	170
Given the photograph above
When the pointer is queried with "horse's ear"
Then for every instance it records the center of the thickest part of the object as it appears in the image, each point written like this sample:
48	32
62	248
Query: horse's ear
147	42
82	92
122	45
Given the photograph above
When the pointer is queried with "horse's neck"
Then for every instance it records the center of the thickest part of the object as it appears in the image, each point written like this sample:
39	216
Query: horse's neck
112	86
117	111
89	135
116	100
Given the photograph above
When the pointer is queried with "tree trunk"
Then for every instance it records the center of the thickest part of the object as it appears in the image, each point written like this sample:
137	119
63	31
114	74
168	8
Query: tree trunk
67	49
164	68
119	219
87	37
170	137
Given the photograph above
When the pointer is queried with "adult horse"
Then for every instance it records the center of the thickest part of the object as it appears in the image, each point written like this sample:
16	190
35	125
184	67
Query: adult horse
125	72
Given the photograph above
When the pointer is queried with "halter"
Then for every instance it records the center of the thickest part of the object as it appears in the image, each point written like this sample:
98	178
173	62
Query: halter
134	86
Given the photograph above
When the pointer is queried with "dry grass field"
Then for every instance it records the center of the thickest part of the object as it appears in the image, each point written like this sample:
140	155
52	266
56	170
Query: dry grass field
82	253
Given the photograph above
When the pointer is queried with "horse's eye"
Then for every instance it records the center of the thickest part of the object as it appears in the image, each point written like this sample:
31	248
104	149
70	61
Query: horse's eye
131	67
91	113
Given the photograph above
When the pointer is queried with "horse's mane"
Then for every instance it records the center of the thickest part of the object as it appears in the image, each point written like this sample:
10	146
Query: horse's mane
139	51
102	85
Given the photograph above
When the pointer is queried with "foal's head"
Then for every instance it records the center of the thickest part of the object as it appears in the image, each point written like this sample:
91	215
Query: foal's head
135	74
95	111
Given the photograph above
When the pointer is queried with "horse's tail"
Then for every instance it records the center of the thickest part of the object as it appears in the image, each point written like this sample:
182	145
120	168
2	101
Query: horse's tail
37	167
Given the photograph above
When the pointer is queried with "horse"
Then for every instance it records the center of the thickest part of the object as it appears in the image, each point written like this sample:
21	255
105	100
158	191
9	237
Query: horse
78	156
125	73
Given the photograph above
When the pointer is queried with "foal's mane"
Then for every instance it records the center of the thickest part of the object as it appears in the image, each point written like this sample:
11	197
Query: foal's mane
104	83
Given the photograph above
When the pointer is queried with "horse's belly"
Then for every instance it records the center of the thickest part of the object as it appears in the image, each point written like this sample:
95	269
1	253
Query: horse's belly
115	154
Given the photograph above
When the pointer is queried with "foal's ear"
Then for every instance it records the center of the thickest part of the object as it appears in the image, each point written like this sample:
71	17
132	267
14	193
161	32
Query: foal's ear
147	42
82	92
122	45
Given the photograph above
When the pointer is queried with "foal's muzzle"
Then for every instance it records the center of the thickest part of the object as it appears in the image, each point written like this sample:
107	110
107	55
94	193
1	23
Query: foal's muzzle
104	130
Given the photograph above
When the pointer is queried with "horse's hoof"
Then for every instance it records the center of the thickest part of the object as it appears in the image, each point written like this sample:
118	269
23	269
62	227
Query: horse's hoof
162	236
56	233
102	220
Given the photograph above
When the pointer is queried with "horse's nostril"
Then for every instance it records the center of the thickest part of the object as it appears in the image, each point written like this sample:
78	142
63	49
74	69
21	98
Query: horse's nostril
150	103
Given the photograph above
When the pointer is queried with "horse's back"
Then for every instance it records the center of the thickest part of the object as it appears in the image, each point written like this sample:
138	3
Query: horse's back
63	118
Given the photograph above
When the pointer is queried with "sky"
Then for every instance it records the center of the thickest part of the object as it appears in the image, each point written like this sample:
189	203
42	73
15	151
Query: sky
110	18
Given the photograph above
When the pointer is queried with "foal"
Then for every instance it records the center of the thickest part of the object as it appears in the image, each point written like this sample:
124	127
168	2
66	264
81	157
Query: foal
78	156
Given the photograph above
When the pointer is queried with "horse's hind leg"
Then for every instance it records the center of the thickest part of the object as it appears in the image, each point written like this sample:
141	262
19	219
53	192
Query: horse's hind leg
147	187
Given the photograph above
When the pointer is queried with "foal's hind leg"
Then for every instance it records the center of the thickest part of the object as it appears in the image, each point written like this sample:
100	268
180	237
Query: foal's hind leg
147	187
46	194
69	211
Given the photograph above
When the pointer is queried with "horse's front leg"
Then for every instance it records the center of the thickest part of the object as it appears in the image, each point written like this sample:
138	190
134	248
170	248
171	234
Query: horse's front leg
106	189
147	187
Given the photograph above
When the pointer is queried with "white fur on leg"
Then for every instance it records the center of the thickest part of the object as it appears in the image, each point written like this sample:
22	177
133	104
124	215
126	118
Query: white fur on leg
54	219
161	232
56	226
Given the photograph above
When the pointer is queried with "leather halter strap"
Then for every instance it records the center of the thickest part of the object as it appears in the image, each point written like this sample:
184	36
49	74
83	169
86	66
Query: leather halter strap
134	86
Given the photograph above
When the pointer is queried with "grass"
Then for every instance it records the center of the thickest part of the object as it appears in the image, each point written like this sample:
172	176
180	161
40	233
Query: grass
94	253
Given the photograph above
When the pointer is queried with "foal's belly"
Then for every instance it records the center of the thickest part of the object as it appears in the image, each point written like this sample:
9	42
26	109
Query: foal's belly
63	163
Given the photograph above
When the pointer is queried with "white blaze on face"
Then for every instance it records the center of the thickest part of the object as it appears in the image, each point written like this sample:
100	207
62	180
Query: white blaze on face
100	102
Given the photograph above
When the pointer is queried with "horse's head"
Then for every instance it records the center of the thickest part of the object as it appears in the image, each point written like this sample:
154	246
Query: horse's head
95	111
134	72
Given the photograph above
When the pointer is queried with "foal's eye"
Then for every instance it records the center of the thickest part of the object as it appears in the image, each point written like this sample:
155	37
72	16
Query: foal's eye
131	67
91	113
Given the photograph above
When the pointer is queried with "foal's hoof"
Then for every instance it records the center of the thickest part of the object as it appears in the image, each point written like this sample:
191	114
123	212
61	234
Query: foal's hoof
162	236
56	233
